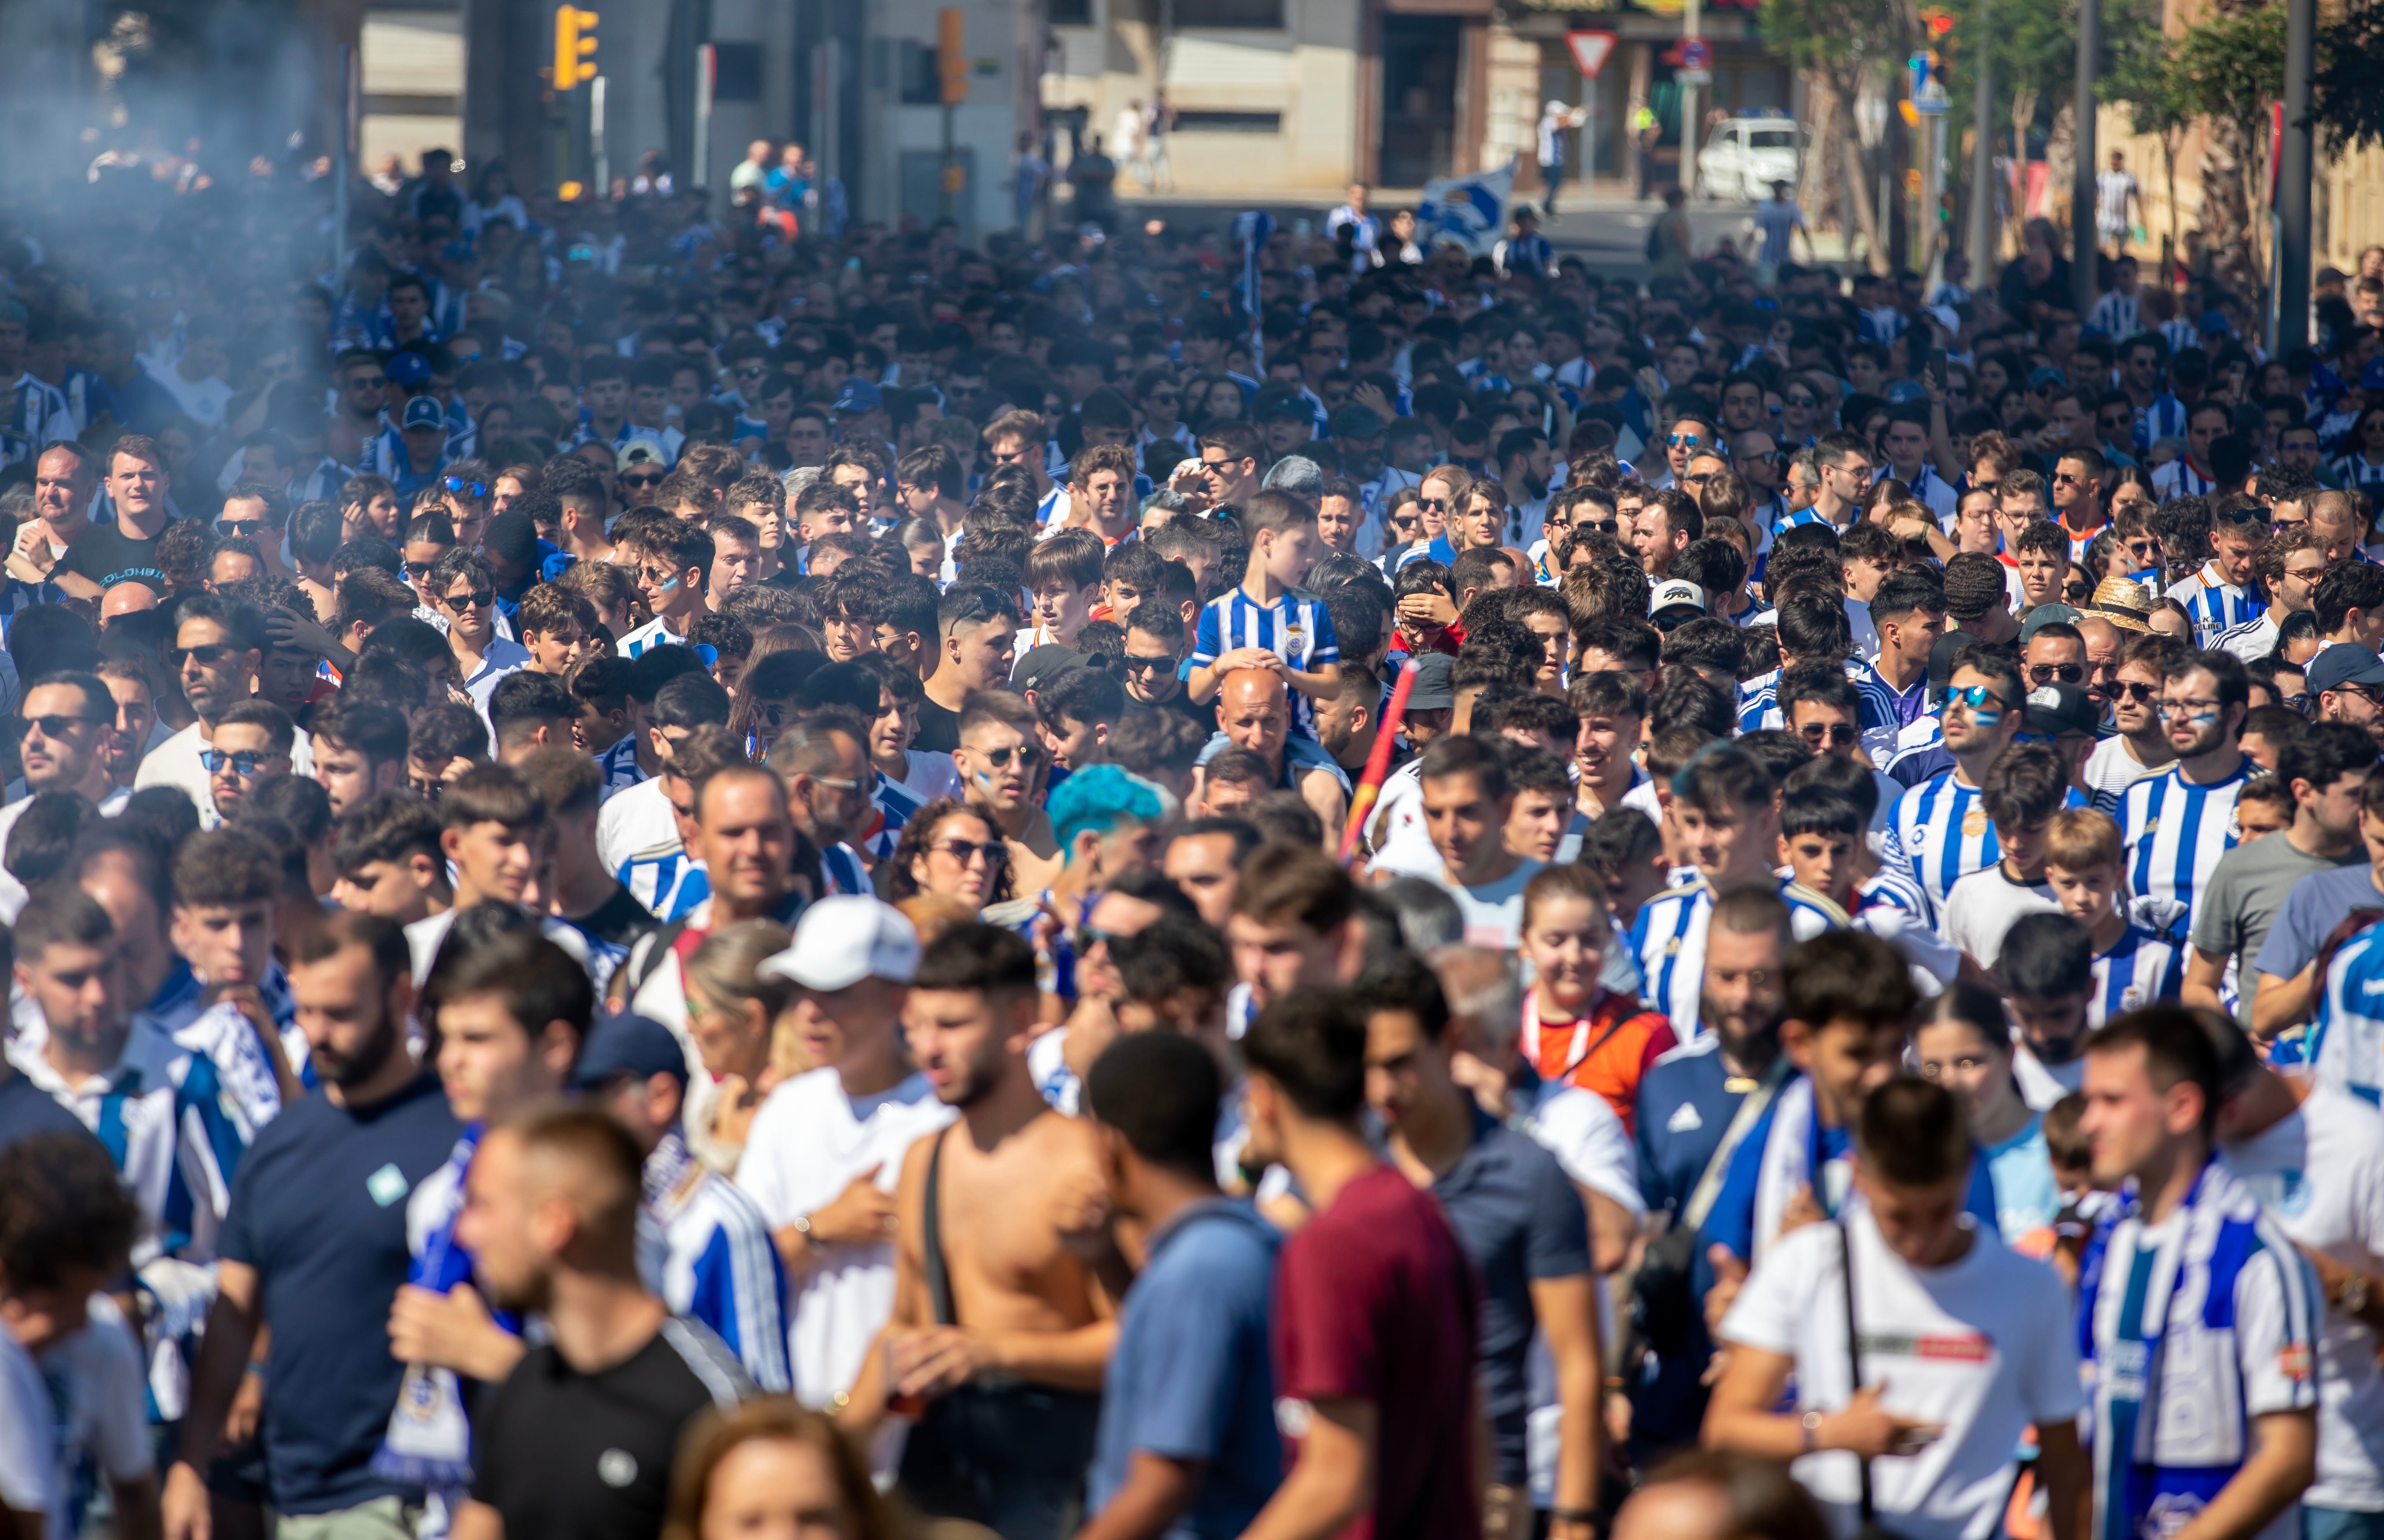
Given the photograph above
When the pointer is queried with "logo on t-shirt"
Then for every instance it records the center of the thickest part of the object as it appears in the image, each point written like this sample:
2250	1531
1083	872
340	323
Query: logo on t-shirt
1941	1347
1685	1119
386	1185
616	1467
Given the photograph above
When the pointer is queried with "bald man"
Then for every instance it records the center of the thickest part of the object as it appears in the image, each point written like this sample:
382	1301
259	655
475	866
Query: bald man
2103	642
1254	713
126	599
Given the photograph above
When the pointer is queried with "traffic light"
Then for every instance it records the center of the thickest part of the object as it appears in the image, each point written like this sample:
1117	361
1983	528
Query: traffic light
951	56
573	41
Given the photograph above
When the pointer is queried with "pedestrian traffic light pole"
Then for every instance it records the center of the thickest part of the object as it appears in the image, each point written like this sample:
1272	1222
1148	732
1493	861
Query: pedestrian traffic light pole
2289	318
1981	243
2081	192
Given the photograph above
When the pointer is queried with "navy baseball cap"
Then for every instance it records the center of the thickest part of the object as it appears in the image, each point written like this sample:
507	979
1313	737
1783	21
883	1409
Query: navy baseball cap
630	1046
2344	662
424	412
407	368
859	395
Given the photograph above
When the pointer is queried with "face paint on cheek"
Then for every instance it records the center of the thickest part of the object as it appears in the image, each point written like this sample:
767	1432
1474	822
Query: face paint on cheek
2202	718
985	780
1986	718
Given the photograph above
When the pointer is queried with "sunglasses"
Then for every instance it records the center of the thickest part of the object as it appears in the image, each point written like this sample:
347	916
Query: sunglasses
1974	696
244	764
1145	665
642	480
1029	756
473	600
1799	401
1683	441
462	487
966	852
1836	734
206	657
56	726
247	528
2124	690
2045	673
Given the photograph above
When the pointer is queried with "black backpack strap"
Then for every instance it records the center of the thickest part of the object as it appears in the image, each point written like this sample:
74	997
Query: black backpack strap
939	1277
1853	1353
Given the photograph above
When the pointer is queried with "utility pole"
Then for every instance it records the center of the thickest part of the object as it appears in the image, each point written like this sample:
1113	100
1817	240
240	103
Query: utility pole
1692	26
2292	315
1981	243
2082	249
952	62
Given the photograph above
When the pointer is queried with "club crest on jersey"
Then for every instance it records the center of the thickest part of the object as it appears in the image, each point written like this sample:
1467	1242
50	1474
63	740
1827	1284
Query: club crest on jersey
1974	823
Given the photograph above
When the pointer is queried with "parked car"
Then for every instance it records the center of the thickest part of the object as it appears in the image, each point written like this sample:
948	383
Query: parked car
1745	156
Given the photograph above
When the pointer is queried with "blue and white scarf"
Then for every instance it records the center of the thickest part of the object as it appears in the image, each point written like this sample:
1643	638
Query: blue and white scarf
429	1443
2159	1324
1793	1158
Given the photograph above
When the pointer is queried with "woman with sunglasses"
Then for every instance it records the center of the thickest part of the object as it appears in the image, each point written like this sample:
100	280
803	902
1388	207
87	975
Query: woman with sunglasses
949	851
1402	526
2362	466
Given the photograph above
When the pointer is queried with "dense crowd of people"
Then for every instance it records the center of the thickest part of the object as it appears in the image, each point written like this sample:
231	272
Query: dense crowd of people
697	878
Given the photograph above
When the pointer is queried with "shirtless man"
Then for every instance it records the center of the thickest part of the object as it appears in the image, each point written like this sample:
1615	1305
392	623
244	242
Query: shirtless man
1254	713
1001	1364
1002	766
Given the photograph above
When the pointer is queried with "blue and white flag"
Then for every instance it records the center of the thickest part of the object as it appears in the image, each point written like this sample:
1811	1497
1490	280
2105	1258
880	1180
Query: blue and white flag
1251	230
1466	211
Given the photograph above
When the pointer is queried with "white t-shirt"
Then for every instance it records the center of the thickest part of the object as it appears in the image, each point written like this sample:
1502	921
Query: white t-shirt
635	821
1406	846
809	1142
2320	1173
29	1439
2109	766
1982	907
175	763
931	774
99	1381
1493	911
12	892
1984	1346
2041	1085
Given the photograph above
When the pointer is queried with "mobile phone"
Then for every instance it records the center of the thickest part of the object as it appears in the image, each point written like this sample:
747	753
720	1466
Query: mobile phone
1934	365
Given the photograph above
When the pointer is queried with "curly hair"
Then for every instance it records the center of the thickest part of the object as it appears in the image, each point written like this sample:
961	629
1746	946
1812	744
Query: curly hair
916	836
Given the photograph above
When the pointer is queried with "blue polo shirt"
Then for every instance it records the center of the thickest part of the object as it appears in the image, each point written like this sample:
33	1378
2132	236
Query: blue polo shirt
1519	1218
318	1210
1192	1375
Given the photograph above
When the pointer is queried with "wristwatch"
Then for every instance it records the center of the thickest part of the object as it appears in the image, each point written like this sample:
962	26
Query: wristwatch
1811	1422
802	1226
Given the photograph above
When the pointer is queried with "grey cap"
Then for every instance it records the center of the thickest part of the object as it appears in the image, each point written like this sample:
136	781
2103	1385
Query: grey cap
2045	614
1356	420
1430	691
1297	474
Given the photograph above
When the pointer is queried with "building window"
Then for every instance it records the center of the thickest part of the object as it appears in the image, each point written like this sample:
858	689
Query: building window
1263	14
1229	122
1069	13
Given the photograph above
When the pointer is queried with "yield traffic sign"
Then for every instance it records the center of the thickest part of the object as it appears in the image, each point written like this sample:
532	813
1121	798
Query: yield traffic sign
1590	50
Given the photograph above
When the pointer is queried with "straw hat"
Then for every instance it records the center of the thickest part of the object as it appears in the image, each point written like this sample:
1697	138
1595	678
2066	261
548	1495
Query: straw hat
2124	602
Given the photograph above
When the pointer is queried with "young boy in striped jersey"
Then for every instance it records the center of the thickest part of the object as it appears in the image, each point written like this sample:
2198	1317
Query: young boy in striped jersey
1268	621
2084	866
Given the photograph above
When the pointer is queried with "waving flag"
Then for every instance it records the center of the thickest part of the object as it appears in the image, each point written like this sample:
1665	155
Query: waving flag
1466	211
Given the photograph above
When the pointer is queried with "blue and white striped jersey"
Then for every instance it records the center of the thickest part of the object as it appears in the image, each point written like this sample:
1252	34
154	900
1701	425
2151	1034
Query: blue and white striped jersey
1669	939
2346	1039
1879	714
1940	833
2139	968
2175	831
845	874
1296	628
160	1115
896	803
2215	603
2165	418
668	881
706	1250
653	633
2178	478
2355	471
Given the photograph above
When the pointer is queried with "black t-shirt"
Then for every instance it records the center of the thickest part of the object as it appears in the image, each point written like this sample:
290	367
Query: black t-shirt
26	1109
1182	704
318	1210
939	728
620	921
561	1453
106	555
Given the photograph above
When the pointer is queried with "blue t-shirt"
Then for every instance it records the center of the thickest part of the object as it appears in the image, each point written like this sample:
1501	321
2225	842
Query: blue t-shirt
1685	1105
1519	1218
1731	1223
2317	903
1191	1376
318	1210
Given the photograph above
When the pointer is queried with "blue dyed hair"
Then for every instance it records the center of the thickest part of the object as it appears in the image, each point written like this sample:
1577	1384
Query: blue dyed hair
1100	797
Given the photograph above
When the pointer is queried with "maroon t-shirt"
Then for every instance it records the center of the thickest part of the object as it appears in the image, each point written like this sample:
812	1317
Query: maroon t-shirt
1375	1301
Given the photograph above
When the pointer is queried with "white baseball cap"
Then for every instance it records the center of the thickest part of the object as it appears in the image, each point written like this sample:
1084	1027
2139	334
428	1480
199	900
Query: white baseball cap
841	940
1676	591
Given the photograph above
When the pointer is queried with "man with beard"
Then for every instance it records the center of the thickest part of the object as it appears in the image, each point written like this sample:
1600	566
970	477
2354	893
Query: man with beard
1689	1101
1007	1398
2047	977
1254	713
2343	681
315	1247
580	1437
2178	824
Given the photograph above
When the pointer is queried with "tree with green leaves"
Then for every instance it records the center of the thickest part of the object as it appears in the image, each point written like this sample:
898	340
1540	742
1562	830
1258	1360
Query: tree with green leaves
1848	43
2348	89
2230	69
2141	76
